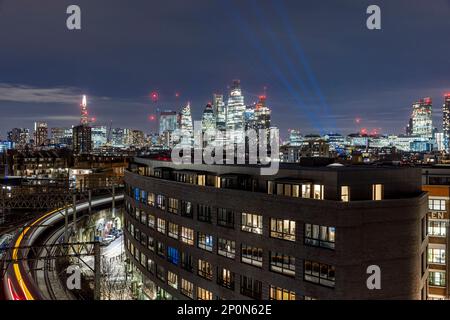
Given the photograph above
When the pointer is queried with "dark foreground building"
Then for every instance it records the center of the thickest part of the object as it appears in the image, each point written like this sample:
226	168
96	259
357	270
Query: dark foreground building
226	232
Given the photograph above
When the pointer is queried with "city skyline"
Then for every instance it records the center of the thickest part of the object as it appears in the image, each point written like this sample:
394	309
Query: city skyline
379	88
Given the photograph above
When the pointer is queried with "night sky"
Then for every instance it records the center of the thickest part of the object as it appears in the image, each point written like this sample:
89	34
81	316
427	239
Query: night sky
322	67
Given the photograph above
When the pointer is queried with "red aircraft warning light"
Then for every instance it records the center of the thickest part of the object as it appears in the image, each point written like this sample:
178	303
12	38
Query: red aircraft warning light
154	96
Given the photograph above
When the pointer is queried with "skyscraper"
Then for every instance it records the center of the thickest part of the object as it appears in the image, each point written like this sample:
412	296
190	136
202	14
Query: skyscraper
40	133
19	136
82	139
168	122
262	114
186	129
220	112
235	110
208	118
84	111
99	134
422	123
446	122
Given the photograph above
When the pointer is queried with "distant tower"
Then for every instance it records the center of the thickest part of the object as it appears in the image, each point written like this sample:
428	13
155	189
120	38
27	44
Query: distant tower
208	118
220	112
262	114
446	122
422	122
84	111
186	128
235	110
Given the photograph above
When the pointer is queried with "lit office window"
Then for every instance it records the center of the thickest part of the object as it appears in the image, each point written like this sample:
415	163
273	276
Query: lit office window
173	205
161	202
437	228
318	192
172	279
436	204
151	221
377	192
437	279
226	248
187	288
282	229
345	193
203	294
205	269
173	230
205	241
162	225
187	236
277	293
225	278
151	199
306	191
252	223
436	256
173	255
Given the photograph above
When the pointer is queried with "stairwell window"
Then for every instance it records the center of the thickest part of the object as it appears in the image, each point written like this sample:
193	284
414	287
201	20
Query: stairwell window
377	192
345	193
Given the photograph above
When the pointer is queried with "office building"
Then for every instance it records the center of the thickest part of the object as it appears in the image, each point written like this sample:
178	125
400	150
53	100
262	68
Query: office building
82	139
40	133
422	121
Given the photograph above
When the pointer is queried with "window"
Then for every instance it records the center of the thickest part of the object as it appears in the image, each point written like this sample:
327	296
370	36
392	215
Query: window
173	255
144	218
151	199
204	213
137	194
282	263
161	249
320	236
151	266
161	273
251	223
143	196
437	228
173	205
345	193
205	241
225	218
143	259
186	209
161	202
377	192
436	278
306	191
172	279
151	244
205	269
151	221
251	288
436	204
203	294
318	192
251	255
187	236
319	273
282	229
162	225
225	278
187	262
187	288
173	230
226	248
436	255
277	293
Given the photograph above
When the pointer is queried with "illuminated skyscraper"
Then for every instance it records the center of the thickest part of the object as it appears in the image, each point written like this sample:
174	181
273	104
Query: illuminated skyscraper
186	128
220	112
99	136
208	118
262	114
168	122
82	139
235	110
84	111
19	136
446	121
422	122
40	133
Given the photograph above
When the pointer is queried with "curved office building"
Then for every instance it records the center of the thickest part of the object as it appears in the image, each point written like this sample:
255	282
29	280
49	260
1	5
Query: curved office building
226	232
